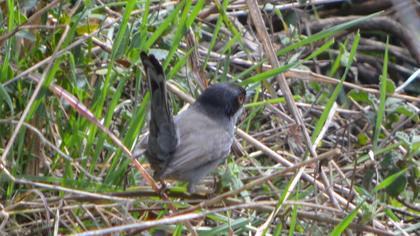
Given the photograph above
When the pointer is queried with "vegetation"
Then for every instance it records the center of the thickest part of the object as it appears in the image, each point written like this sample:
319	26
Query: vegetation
328	143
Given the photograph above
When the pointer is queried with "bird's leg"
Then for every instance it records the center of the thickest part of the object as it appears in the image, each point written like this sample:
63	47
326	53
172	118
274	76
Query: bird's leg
163	188
191	188
217	187
216	184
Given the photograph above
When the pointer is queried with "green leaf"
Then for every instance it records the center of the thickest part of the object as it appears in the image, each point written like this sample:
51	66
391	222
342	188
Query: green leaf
362	138
359	96
391	215
390	86
389	180
403	137
407	111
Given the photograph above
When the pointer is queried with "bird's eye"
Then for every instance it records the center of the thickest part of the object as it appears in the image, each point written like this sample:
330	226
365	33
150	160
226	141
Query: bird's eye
241	99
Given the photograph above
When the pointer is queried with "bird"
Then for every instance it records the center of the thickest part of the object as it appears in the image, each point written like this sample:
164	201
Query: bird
190	145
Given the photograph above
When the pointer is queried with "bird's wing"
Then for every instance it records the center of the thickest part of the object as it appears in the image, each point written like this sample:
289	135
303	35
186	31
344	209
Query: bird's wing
202	140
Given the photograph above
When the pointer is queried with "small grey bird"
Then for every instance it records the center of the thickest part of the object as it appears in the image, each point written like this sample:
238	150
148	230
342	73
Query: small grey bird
193	143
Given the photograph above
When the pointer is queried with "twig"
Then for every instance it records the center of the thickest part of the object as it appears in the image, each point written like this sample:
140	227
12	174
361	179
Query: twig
382	23
307	75
413	77
261	180
36	91
55	148
264	38
269	152
30	19
68	190
335	221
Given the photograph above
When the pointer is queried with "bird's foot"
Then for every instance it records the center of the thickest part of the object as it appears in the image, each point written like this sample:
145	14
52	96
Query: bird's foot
163	188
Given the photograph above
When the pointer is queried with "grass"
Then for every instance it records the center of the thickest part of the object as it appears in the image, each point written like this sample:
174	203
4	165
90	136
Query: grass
66	167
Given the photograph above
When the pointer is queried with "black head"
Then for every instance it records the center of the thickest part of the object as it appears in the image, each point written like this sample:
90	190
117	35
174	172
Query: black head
225	98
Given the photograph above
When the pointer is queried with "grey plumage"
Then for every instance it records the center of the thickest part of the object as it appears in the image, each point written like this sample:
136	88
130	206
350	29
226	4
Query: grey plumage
204	143
197	140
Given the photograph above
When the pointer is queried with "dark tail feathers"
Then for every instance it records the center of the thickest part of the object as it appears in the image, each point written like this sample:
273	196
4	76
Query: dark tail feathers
162	139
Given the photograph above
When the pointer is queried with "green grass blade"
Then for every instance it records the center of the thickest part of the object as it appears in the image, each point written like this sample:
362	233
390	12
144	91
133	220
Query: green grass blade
162	27
183	25
213	40
270	101
180	63
4	96
143	26
309	40
137	122
339	229
337	62
225	18
180	32
220	230
102	91
382	98
118	168
320	123
11	15
273	72
140	37
252	114
98	106
196	10
325	34
280	202
293	221
107	122
122	31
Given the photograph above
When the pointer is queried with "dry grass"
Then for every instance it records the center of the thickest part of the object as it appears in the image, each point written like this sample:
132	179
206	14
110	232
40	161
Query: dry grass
328	143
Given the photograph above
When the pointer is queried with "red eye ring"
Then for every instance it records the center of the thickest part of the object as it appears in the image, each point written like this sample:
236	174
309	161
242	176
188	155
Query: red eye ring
241	99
